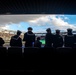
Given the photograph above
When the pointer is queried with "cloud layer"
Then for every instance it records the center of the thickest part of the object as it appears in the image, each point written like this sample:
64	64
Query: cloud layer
41	21
6	20
54	22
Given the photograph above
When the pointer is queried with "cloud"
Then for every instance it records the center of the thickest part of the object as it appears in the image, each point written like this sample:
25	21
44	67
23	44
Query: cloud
54	22
15	19
43	21
40	21
6	19
5	27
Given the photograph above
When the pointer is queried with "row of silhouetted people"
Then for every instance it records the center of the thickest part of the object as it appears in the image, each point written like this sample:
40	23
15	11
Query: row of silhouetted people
57	40
51	40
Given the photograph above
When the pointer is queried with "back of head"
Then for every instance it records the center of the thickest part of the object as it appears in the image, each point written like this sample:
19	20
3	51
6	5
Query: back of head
18	32
69	31
30	29
48	30
57	31
38	38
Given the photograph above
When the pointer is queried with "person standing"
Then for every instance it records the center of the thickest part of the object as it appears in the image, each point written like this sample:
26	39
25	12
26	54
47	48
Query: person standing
29	38
69	38
16	41
58	40
48	38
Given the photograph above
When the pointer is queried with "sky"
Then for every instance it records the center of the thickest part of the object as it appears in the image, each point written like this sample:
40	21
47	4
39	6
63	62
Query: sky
39	23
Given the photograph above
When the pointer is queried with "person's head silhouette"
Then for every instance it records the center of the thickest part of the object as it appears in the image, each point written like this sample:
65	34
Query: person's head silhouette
18	32
69	31
30	29
38	38
57	31
48	30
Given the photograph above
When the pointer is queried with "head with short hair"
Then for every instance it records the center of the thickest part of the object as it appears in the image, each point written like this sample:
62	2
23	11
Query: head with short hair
57	31
38	38
69	31
30	29
48	30
18	32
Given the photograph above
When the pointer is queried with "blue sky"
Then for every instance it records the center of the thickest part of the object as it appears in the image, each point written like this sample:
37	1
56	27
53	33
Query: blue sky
39	23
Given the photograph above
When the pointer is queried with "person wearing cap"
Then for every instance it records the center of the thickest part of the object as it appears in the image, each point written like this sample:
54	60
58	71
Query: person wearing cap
48	38
29	38
69	38
16	41
69	31
58	40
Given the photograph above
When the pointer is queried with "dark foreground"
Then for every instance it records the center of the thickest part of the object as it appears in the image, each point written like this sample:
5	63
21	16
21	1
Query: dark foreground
37	60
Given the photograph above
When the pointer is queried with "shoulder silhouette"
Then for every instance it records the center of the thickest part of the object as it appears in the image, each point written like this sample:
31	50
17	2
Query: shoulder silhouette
1	42
48	38
16	40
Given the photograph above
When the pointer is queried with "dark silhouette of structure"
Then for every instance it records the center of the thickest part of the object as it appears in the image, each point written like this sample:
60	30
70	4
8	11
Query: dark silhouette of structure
1	42
37	42
69	38
29	38
48	38
16	40
58	40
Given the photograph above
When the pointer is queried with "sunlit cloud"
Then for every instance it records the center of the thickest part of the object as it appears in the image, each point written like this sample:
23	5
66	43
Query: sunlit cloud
39	22
5	27
53	22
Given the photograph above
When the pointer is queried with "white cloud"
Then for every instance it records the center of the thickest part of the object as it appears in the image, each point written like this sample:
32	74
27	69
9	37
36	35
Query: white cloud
6	27
53	22
46	21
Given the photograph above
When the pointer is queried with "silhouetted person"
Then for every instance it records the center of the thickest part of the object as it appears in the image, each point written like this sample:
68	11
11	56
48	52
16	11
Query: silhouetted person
16	40
1	42
75	40
48	38
58	40
29	38
69	39
37	42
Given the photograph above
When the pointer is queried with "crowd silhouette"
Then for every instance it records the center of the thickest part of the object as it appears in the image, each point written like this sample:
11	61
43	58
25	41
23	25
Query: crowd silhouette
51	40
36	58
